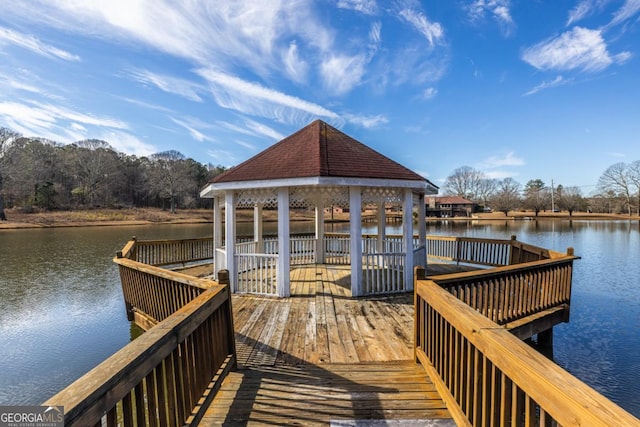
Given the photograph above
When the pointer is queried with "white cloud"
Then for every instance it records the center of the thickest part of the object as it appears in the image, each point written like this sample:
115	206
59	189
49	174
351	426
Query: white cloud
367	122
579	48
499	9
432	31
190	125
33	44
628	10
296	67
124	142
558	81
176	86
368	7
341	73
429	93
54	122
584	9
505	160
254	99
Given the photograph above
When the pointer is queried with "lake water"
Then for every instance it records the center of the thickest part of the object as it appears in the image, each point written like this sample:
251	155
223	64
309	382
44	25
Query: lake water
62	312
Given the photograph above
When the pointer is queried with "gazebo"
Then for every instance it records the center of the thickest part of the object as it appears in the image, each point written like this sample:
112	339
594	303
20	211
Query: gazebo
315	168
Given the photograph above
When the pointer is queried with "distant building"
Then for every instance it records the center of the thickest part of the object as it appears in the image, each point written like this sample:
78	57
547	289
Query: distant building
449	206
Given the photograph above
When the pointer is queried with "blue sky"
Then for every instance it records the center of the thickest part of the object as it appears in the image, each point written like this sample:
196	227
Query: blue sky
525	89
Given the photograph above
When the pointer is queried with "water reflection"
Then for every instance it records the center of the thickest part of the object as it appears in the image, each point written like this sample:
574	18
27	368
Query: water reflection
61	308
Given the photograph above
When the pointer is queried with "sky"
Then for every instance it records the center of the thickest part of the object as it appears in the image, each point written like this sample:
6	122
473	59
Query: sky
527	89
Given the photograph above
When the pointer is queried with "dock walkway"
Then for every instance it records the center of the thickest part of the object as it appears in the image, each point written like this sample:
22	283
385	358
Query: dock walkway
321	356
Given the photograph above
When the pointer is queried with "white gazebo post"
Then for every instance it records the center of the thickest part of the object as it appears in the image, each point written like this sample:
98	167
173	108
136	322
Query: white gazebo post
230	237
257	228
283	277
355	242
218	262
382	226
407	237
319	233
422	229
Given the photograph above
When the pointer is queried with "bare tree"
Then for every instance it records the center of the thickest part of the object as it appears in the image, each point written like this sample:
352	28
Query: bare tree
507	196
633	171
571	199
486	188
95	164
170	175
536	195
7	136
616	178
464	182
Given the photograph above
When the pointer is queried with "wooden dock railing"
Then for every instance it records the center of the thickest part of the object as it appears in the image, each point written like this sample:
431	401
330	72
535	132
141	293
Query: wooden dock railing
166	376
490	252
507	294
165	252
489	377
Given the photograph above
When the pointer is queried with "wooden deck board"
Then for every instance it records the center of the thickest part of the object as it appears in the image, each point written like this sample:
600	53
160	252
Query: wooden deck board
321	355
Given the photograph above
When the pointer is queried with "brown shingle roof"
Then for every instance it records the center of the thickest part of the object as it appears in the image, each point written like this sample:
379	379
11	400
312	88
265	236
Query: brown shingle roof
450	200
317	150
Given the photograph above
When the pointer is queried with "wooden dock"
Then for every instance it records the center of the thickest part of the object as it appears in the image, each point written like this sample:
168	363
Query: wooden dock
321	356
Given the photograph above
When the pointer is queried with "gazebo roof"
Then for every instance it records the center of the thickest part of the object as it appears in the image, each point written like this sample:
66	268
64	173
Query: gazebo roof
318	154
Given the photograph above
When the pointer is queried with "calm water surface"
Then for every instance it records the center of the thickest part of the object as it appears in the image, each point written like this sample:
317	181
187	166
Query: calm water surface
61	307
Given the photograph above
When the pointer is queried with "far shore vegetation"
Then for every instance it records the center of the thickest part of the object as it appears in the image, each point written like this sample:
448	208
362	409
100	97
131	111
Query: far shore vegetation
45	183
145	216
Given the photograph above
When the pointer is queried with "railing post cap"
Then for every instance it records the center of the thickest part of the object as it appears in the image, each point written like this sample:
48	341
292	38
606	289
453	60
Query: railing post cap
119	254
513	237
134	238
570	251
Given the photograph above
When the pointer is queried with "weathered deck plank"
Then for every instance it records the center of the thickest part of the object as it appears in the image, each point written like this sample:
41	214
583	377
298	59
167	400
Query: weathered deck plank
322	355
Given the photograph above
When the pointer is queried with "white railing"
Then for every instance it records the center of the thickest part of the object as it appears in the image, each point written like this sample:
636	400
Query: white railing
337	249
383	273
302	250
420	256
257	274
245	248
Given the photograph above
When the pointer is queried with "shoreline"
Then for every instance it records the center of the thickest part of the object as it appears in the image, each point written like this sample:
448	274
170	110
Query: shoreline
153	216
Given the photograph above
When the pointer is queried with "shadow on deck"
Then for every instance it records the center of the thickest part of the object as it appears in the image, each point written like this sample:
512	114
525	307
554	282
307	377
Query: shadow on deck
322	356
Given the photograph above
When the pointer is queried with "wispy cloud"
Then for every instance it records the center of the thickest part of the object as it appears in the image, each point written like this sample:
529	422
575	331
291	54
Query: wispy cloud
584	9
577	49
432	31
429	93
558	81
125	142
368	7
254	99
176	86
629	9
295	66
55	122
508	159
499	9
33	44
368	122
341	73
191	126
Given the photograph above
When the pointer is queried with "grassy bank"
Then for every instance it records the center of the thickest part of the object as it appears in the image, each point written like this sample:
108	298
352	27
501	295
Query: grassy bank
134	216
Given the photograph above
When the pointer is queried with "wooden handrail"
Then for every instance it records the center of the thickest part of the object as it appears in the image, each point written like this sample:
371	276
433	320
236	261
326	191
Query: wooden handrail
156	293
507	294
165	252
160	378
489	377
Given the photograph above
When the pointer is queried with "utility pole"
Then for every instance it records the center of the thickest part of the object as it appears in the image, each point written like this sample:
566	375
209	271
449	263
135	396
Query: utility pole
553	206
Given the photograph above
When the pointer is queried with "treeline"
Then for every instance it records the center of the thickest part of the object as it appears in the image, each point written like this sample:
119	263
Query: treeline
617	191
39	173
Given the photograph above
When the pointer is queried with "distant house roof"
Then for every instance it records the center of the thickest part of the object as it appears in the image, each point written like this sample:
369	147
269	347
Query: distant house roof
318	150
450	200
